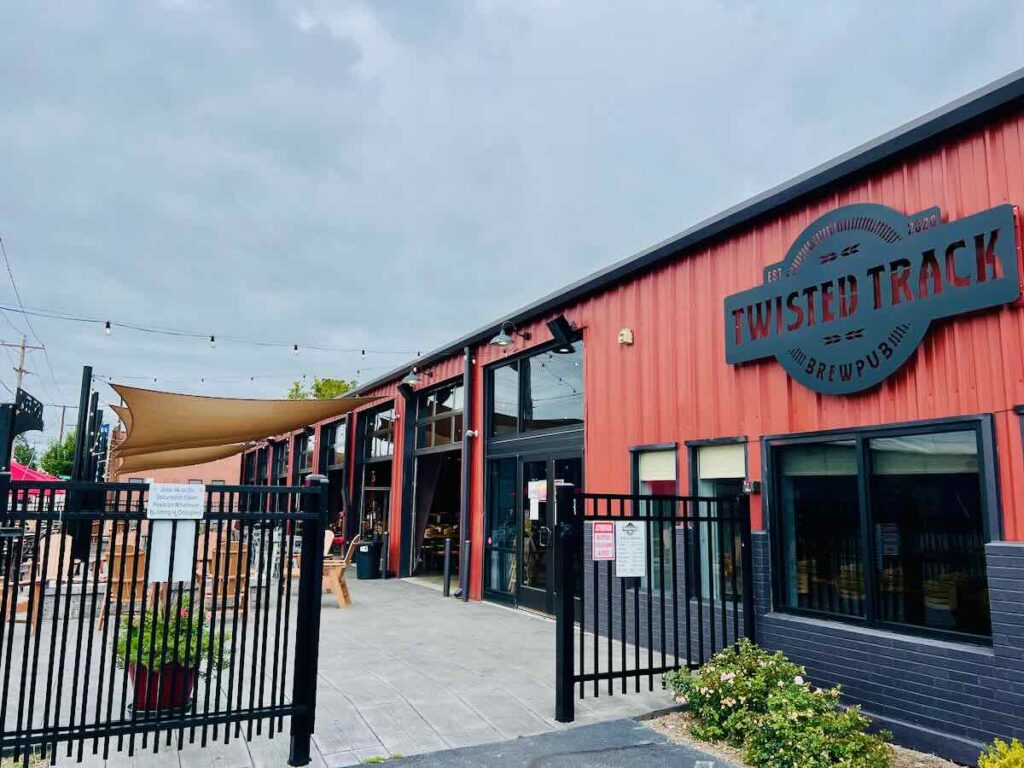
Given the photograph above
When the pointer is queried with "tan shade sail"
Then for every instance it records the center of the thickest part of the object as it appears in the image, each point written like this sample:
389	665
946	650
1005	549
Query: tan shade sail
166	421
179	458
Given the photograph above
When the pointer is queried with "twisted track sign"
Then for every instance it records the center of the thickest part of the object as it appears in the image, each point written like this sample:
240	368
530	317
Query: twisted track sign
857	290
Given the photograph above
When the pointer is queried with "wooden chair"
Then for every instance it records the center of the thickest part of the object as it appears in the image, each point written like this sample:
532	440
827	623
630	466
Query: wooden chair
123	585
33	584
234	565
335	569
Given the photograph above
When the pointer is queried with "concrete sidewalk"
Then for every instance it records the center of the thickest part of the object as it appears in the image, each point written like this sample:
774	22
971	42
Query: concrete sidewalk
405	671
613	744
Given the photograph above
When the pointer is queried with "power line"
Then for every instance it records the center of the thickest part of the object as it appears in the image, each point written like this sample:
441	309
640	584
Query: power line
181	333
17	295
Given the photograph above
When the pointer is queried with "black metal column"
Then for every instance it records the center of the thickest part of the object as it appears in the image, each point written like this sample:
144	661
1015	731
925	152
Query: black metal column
565	583
307	630
749	616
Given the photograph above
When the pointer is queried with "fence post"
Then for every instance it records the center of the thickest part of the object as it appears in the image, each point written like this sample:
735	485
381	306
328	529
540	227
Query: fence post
307	622
749	616
565	583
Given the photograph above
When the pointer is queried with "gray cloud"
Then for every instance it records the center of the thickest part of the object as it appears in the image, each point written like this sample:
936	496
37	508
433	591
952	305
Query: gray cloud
391	174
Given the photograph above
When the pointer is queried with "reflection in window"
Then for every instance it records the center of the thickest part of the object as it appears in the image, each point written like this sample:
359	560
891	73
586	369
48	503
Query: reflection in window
720	473
505	400
656	475
553	389
927	525
439	417
500	568
380	433
821	527
924	529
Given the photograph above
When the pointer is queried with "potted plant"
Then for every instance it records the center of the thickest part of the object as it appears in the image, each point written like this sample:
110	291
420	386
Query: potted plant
166	651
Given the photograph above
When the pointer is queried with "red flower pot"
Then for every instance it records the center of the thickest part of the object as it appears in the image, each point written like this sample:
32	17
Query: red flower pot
171	685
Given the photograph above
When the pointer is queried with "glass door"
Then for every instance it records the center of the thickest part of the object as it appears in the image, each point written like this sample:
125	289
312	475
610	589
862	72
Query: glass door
539	519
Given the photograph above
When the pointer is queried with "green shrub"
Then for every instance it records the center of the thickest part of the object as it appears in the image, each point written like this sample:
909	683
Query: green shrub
760	701
999	754
808	727
727	694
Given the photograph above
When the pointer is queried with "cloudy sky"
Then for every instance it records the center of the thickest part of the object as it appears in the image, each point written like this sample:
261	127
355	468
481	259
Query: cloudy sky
387	175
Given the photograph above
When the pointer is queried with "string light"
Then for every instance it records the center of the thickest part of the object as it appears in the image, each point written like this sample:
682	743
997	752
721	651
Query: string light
295	349
108	326
213	342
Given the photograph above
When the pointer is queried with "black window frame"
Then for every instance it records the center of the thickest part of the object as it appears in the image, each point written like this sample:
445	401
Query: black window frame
279	463
369	419
328	441
992	525
301	453
518	360
635	451
431	419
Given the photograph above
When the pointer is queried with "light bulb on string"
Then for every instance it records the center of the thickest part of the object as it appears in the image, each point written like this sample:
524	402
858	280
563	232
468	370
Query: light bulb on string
213	342
106	328
295	349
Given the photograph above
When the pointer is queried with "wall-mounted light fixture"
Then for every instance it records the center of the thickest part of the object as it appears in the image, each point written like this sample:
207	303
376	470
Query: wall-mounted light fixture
504	336
414	377
564	334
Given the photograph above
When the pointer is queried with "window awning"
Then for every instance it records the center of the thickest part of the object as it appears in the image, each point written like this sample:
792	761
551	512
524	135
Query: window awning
167	429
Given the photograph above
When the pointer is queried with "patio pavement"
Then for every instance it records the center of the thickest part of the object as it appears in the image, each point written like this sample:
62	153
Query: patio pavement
405	671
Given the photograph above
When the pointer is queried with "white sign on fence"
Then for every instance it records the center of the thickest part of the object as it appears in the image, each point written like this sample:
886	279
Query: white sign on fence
630	549
176	501
184	537
603	540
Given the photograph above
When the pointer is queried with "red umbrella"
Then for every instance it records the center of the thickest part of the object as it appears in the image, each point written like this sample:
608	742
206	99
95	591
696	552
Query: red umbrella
21	472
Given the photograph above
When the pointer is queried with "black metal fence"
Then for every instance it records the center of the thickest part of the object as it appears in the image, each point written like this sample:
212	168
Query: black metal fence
687	593
119	632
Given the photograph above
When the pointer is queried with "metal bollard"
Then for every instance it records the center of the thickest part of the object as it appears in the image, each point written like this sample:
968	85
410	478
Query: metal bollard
447	567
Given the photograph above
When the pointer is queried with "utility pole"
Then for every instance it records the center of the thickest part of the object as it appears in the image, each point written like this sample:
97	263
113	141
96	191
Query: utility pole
20	370
63	409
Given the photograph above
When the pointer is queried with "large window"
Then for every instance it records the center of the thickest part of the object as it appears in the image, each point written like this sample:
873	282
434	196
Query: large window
380	434
439	417
719	471
279	462
656	475
539	392
378	450
887	526
332	448
304	447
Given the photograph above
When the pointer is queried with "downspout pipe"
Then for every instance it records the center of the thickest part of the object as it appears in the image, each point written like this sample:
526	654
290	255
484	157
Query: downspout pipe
467	469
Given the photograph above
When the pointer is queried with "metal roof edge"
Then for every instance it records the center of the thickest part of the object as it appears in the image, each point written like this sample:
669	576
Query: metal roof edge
947	118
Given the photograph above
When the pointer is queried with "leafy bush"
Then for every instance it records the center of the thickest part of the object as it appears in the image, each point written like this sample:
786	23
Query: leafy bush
728	693
185	639
999	754
808	727
761	702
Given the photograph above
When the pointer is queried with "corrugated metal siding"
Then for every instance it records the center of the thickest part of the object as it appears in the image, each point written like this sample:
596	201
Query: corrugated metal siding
674	385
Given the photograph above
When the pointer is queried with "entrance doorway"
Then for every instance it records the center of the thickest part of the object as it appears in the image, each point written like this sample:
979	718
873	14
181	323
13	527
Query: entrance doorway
522	519
436	513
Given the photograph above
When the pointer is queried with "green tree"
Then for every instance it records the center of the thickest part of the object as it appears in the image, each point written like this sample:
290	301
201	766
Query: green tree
321	389
59	457
24	453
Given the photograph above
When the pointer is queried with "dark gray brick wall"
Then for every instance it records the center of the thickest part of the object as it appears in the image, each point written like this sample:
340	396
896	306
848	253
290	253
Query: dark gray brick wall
942	696
946	696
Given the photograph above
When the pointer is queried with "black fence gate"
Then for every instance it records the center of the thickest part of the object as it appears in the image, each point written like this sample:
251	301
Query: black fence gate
646	584
120	632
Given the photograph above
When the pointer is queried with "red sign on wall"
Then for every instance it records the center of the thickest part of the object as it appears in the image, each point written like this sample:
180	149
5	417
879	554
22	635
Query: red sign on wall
603	540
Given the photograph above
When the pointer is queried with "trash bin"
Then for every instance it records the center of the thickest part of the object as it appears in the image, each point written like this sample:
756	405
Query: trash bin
368	559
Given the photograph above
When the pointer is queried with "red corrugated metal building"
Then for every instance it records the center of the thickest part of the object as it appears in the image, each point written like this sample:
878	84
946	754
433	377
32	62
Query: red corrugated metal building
917	480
